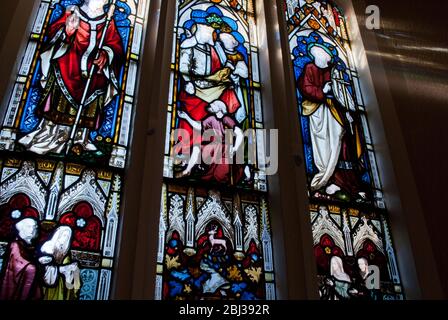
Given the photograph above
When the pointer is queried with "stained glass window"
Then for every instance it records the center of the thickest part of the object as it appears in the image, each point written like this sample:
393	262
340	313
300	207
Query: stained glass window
215	239
64	142
352	242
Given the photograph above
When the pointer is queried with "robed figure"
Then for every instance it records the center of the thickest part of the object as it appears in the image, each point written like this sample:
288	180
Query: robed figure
66	60
62	276
204	77
20	280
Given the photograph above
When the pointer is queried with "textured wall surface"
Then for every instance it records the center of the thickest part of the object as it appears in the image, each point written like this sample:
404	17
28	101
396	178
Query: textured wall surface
10	7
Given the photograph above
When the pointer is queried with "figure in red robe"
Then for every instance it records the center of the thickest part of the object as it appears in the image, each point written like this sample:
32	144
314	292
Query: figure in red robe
20	280
69	55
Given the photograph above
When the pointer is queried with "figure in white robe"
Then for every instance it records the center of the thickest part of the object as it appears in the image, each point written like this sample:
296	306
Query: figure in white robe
335	136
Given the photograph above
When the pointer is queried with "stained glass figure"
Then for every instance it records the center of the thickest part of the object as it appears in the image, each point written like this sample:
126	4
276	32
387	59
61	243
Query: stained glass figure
214	234
75	86
215	88
64	142
340	160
